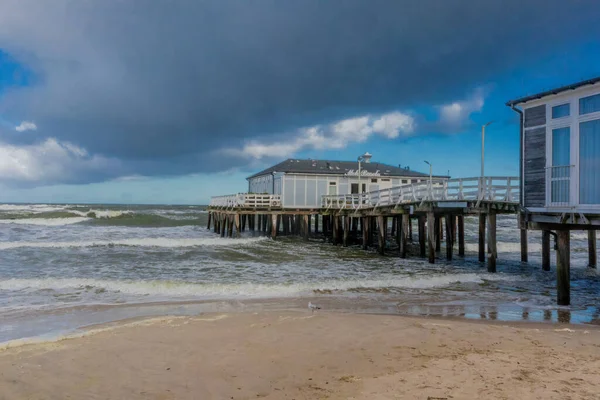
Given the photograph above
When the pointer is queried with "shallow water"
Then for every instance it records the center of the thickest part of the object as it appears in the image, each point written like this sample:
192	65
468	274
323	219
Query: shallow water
59	264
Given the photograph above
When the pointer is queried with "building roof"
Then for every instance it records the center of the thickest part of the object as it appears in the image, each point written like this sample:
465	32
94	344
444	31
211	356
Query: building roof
331	167
553	91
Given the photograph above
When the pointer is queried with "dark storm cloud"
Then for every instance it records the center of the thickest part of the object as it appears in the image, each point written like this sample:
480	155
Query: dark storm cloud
159	84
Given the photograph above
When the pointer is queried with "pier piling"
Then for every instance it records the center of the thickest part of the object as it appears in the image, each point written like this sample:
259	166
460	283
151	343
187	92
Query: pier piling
449	243
422	247
431	236
592	251
461	235
404	235
563	267
382	222
482	218
492	242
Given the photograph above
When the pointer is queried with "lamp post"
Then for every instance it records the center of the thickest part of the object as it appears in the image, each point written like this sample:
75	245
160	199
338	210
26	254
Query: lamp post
430	176
483	147
366	158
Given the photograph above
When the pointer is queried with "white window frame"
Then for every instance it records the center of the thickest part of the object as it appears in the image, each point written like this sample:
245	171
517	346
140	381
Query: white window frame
572	122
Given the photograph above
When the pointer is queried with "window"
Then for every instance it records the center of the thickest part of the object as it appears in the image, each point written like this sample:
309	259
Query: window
561	169
404	181
374	180
589	162
563	110
589	104
385	180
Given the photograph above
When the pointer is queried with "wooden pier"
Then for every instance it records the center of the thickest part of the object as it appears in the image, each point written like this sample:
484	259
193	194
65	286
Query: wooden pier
420	216
385	218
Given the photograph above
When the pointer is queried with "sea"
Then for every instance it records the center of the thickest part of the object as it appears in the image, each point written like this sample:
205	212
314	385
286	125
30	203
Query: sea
64	268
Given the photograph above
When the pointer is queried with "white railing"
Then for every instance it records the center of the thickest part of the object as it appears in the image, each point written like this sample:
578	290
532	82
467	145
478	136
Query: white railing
497	189
559	187
246	200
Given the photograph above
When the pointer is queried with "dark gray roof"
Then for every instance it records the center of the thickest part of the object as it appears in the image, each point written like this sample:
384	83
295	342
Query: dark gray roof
292	165
553	91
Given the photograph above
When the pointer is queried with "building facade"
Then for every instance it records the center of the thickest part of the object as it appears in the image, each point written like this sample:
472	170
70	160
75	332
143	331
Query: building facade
302	183
560	149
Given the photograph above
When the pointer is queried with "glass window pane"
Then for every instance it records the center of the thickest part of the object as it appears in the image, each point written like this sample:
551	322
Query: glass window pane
564	110
589	162
561	170
589	104
561	147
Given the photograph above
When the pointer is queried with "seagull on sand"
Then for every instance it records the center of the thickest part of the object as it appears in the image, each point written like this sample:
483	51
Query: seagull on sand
312	307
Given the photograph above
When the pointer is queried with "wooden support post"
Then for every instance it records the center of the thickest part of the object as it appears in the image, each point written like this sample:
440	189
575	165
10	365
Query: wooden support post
461	235
335	229
482	219
346	231
592	251
306	226
274	225
493	256
431	236
223	224
364	231
449	243
393	232
244	218
454	236
422	247
325	227
563	268
316	224
438	234
208	223
404	235
546	250
354	229
372	225
278	223
382	222
238	225
523	231
216	224
230	226
410	230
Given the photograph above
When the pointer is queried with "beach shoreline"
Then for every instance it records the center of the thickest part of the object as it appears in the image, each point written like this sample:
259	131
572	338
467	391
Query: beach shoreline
298	354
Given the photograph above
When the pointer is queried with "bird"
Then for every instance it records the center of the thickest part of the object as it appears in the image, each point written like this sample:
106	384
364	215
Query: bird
312	307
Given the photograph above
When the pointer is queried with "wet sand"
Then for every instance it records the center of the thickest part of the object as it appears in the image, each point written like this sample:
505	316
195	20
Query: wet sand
298	355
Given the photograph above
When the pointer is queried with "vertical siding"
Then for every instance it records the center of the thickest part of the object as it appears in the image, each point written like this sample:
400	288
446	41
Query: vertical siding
534	166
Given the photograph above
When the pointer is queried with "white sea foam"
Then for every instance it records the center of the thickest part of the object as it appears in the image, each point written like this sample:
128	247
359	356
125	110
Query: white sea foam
220	290
102	213
506	247
141	242
44	221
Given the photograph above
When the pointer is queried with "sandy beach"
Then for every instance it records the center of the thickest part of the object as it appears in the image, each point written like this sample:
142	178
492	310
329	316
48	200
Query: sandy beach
299	355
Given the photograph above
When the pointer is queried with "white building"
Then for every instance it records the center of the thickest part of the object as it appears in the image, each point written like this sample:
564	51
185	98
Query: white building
302	183
560	149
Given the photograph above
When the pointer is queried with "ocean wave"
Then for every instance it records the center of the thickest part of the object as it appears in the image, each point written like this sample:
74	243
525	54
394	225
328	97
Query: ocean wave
138	242
219	290
45	221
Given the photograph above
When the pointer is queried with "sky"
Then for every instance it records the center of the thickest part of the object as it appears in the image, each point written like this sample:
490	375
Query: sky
172	102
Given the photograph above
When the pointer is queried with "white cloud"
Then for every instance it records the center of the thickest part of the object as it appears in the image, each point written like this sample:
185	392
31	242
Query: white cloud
458	112
26	126
48	161
333	136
